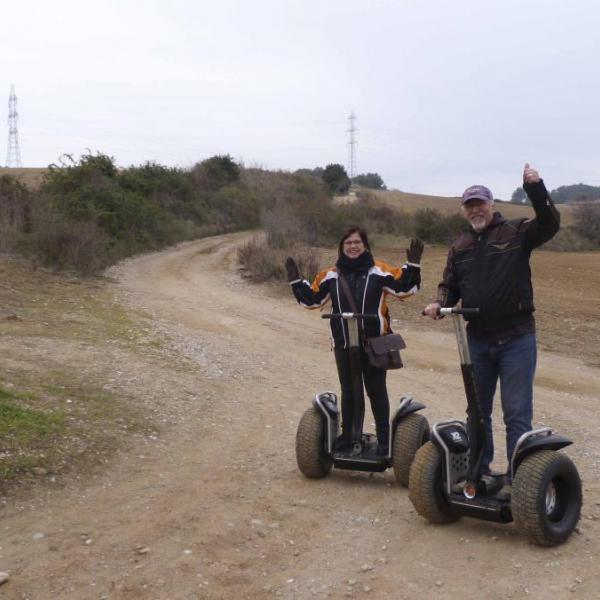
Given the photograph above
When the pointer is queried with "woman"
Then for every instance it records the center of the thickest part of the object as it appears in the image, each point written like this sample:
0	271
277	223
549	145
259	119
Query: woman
369	282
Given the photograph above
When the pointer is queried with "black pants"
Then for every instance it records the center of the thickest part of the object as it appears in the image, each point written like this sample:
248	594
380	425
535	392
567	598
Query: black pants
374	382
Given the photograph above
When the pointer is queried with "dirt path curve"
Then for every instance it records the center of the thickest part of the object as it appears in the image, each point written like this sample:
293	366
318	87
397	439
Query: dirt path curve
215	506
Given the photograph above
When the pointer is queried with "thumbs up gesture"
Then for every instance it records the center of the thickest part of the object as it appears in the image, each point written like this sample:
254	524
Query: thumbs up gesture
530	175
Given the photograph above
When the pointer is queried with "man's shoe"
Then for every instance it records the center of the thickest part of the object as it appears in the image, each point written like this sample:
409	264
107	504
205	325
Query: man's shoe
492	483
505	492
488	479
458	488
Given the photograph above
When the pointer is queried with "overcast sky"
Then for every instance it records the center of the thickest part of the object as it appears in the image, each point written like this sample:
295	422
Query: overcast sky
446	93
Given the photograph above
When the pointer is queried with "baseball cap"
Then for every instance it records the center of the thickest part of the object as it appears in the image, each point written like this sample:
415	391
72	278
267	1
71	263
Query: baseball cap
477	192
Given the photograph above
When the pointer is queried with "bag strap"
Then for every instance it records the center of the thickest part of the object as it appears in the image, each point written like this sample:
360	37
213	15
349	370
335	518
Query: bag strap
351	302
347	292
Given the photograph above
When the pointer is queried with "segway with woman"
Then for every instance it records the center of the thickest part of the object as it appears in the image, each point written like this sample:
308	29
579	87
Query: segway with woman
358	287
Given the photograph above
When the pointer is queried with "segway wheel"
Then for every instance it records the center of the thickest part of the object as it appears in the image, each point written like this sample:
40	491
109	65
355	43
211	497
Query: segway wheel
546	497
426	487
410	434
311	455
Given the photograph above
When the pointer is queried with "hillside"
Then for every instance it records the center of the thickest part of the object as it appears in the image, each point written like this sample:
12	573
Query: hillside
411	202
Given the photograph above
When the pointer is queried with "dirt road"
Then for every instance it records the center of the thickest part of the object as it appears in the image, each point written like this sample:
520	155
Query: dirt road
213	506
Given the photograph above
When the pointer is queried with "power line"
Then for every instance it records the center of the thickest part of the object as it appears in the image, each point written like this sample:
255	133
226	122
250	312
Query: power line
13	154
352	146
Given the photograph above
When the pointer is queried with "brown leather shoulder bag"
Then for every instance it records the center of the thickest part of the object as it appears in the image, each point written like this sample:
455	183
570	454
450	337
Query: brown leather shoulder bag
383	351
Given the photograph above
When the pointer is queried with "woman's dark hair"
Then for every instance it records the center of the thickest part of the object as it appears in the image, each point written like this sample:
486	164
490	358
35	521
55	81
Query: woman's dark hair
363	236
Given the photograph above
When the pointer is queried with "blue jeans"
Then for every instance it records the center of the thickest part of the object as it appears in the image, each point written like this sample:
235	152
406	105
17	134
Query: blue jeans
513	361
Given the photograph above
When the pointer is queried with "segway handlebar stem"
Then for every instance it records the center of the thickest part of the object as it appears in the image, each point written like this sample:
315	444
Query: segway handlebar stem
348	315
352	320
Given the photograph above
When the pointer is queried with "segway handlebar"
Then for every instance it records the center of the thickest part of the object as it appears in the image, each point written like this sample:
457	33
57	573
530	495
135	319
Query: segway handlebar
455	310
348	315
459	311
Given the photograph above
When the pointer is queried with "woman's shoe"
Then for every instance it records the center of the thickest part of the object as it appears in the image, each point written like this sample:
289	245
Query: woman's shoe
341	444
383	448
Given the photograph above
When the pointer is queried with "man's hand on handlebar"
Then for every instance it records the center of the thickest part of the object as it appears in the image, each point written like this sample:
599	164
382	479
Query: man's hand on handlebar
433	310
292	269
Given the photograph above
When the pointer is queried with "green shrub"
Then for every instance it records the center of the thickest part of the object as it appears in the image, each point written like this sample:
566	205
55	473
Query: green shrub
232	208
213	173
170	189
369	180
336	179
89	213
432	226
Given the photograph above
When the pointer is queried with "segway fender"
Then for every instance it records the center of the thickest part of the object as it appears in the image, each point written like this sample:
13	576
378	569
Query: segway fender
534	444
407	406
327	404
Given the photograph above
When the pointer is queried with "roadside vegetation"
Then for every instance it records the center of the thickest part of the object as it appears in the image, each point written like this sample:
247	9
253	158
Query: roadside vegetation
87	214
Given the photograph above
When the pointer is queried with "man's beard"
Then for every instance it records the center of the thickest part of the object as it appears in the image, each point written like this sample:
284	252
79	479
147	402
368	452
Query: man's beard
478	225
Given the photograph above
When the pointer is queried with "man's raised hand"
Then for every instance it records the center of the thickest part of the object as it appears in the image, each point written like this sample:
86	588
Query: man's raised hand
530	175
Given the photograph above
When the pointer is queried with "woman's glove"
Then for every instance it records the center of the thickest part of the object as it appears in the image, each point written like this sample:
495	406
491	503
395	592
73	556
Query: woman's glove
292	269
415	251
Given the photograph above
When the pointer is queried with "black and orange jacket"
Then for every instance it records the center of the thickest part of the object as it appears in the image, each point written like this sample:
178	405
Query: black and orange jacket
372	289
490	270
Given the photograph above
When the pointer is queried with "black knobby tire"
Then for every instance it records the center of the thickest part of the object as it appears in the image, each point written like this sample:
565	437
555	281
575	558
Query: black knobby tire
311	456
425	486
546	497
410	434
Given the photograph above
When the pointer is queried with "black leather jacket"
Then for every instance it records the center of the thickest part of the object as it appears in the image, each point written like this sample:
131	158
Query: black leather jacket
370	289
490	270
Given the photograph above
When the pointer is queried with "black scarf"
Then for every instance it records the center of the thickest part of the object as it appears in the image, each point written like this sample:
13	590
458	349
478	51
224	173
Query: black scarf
359	264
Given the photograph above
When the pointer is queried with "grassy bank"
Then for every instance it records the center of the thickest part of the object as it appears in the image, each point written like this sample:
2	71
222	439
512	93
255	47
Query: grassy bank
58	409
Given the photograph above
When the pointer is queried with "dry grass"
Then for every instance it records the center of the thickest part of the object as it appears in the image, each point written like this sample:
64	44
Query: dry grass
566	288
29	177
565	285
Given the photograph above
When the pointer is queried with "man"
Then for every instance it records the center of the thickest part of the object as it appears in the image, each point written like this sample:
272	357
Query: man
488	268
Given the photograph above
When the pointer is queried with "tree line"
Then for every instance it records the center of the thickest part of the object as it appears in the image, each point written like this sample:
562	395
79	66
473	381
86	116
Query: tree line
337	180
578	192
